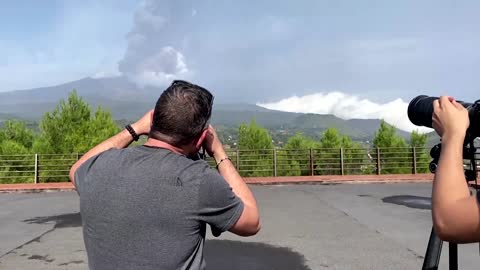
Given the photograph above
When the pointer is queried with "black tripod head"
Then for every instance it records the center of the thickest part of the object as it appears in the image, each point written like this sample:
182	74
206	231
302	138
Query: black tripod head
469	154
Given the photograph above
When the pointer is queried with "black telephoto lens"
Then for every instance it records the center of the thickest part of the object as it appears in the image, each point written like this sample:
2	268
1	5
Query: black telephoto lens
420	110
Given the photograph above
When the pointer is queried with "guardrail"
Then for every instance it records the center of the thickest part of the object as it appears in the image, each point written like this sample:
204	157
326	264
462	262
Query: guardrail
36	168
42	168
329	161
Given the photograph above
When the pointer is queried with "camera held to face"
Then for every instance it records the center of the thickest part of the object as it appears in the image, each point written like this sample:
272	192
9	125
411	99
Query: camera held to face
420	112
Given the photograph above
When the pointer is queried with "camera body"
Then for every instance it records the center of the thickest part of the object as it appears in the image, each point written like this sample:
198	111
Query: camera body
420	112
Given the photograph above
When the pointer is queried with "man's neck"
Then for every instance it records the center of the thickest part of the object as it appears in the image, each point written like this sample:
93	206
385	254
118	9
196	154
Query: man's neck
161	144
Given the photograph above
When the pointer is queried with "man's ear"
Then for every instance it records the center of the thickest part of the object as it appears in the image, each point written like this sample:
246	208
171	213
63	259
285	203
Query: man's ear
201	139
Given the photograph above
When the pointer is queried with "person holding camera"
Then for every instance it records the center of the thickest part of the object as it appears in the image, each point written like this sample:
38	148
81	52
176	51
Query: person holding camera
148	206
455	212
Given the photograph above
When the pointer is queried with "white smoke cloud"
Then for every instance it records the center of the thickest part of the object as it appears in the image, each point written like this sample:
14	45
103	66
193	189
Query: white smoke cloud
160	69
104	74
347	106
151	59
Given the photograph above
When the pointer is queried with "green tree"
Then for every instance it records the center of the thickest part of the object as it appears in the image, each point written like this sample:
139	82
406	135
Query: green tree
331	139
355	159
394	153
253	136
294	158
16	161
17	132
10	147
327	158
418	140
336	147
255	150
17	164
418	143
71	128
386	136
299	141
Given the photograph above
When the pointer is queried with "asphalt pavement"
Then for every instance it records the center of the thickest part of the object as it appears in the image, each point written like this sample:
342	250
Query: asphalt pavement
338	226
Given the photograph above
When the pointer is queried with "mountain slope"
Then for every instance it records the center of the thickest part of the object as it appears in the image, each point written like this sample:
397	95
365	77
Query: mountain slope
128	102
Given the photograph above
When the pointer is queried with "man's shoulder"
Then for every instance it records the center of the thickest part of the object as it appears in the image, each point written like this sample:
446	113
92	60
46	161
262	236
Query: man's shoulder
107	156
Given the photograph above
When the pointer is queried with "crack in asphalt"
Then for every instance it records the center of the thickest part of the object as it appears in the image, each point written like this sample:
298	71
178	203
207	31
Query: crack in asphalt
36	239
61	221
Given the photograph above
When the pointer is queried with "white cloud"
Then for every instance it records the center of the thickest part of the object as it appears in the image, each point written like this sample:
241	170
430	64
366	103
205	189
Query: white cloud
151	58
347	106
105	74
144	17
159	69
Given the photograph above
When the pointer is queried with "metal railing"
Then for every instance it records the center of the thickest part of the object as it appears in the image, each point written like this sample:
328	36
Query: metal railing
41	168
36	168
329	161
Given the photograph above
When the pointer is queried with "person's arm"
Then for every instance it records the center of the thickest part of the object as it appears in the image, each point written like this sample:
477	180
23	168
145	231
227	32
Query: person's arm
455	212
120	140
249	221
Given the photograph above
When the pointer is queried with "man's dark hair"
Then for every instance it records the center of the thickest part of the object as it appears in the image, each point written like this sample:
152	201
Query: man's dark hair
181	113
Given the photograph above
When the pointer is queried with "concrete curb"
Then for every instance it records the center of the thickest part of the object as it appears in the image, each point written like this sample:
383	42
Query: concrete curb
36	187
343	179
322	179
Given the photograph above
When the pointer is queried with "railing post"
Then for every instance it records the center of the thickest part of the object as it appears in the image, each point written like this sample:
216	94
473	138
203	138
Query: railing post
379	168
311	162
35	179
341	161
274	162
414	156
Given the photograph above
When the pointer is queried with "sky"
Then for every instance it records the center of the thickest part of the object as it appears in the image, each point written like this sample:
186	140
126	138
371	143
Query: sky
355	59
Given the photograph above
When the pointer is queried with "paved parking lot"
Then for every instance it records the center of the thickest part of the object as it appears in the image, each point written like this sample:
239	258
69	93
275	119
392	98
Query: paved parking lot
346	226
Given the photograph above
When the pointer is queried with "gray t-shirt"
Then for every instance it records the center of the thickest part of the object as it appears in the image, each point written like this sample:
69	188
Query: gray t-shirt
147	208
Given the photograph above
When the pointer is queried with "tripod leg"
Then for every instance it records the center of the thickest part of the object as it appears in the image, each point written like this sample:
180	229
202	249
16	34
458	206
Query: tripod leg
434	249
453	256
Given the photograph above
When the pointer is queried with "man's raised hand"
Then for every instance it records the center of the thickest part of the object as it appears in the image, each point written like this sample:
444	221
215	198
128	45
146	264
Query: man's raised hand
143	125
450	118
212	144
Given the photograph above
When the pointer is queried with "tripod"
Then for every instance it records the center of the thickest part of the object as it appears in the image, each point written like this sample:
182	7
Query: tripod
434	248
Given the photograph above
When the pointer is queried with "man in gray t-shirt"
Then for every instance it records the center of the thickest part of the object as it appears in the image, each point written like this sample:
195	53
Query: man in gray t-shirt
148	206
